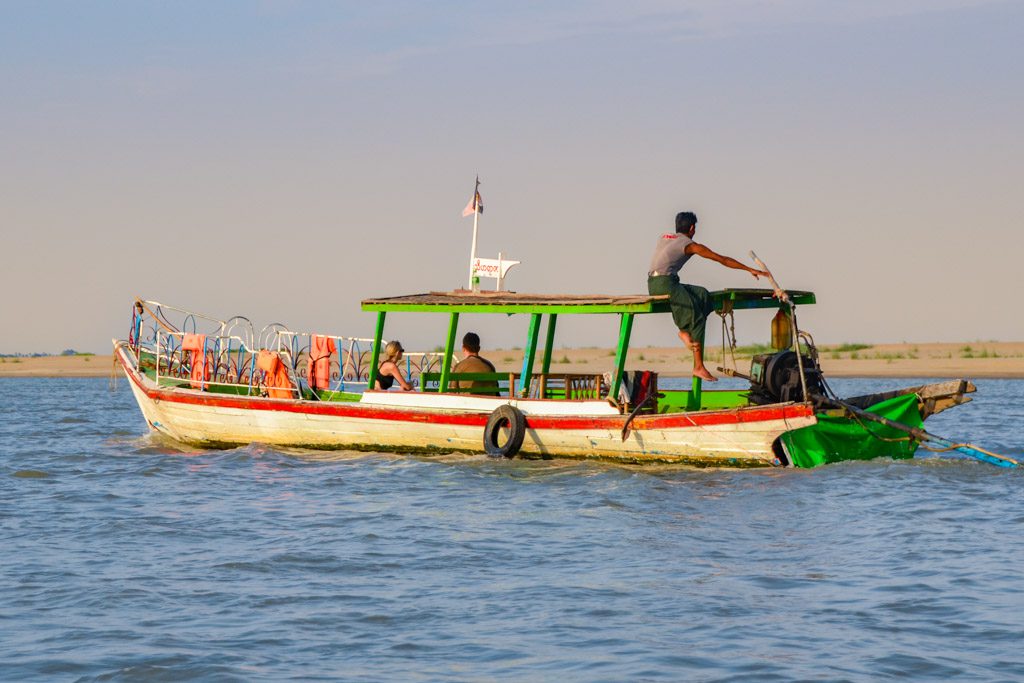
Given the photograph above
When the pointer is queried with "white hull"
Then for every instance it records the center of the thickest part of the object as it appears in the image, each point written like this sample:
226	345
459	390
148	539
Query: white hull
389	421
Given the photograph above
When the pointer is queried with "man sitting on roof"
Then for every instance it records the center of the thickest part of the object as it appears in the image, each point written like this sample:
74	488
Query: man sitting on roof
690	304
473	362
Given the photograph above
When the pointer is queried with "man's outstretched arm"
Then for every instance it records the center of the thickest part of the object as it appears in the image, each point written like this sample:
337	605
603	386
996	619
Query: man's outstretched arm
727	261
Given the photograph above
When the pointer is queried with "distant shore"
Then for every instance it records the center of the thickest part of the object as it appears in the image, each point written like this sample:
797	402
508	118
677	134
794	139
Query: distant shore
964	359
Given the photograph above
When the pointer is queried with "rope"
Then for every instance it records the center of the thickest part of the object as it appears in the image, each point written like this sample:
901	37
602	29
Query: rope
952	447
155	316
886	439
728	332
112	382
932	449
957	446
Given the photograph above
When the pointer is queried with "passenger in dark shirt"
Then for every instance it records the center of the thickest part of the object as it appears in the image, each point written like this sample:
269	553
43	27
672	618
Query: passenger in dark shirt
472	361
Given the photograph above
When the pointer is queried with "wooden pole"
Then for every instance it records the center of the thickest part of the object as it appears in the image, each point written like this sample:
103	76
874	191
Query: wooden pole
783	296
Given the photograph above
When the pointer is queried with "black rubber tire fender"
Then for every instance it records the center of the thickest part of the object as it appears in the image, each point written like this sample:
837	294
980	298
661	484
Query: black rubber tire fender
502	417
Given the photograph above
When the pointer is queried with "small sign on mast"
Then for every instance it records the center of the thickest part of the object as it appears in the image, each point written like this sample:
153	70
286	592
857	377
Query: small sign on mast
495	268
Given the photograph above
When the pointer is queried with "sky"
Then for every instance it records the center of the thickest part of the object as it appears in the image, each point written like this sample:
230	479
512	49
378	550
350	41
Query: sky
284	160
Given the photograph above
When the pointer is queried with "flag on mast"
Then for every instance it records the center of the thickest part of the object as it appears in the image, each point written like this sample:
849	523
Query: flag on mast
476	204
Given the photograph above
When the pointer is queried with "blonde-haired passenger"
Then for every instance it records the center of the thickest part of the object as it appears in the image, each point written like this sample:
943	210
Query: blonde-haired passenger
388	372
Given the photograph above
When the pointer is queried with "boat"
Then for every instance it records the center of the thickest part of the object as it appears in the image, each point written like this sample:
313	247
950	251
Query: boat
216	383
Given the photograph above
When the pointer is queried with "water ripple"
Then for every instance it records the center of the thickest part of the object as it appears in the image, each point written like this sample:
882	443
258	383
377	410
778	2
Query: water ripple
128	556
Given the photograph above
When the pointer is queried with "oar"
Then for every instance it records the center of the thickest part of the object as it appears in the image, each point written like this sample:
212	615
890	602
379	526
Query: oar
921	435
924	437
783	297
780	293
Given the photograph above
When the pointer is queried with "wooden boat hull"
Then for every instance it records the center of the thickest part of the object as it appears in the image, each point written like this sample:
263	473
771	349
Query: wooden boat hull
423	422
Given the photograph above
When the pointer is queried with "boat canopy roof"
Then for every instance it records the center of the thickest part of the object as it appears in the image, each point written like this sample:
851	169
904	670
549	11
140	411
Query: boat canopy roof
513	302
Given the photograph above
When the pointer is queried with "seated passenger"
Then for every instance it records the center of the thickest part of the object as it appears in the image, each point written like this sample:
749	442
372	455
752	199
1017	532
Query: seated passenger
389	372
473	362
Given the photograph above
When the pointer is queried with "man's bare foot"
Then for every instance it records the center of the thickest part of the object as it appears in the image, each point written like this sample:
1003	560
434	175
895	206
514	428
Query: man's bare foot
703	373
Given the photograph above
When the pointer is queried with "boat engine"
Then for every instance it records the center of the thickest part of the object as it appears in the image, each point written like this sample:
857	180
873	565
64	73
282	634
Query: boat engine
775	378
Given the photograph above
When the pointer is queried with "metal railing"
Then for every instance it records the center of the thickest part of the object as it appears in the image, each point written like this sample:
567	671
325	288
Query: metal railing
228	363
231	348
350	365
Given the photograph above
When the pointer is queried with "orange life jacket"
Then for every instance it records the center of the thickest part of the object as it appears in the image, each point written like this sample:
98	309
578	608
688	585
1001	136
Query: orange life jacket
277	381
195	344
318	370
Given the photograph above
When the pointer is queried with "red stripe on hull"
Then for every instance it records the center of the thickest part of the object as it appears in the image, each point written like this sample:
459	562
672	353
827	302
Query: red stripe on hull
403	414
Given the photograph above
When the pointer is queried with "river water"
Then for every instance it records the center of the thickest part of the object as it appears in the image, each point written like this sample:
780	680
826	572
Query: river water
126	558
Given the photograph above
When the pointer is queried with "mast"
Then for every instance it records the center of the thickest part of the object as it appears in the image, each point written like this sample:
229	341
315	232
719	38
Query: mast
472	250
477	209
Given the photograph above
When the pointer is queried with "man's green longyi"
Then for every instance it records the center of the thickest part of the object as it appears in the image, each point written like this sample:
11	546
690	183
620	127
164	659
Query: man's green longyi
691	304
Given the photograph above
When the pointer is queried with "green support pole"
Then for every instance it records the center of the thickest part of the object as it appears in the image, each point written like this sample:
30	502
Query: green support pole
375	352
529	355
449	349
625	328
549	341
693	399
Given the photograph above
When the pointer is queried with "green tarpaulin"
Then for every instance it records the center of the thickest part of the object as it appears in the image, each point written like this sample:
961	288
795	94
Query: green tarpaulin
835	439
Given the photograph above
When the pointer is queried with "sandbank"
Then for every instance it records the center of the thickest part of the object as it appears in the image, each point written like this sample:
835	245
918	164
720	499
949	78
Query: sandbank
962	359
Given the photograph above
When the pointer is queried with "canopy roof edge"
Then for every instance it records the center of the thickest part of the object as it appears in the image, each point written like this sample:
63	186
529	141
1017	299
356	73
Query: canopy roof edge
514	302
